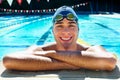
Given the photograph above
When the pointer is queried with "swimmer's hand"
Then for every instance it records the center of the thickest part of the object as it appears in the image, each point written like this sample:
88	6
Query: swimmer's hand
98	52
44	53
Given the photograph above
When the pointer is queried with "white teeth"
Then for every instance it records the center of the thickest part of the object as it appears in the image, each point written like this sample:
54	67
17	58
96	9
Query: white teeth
65	38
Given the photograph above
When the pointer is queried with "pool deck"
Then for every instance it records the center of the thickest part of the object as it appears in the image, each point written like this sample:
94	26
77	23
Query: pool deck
61	74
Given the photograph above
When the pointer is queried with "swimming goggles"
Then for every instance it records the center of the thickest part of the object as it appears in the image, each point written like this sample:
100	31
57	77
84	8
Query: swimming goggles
69	16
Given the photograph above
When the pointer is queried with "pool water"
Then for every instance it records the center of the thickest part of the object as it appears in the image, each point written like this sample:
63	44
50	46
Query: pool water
19	32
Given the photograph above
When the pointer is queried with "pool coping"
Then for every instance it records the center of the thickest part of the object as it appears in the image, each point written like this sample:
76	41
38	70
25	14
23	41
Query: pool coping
81	74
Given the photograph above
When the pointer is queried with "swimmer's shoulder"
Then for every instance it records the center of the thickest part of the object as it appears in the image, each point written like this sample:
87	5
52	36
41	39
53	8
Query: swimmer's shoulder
50	46
82	47
45	47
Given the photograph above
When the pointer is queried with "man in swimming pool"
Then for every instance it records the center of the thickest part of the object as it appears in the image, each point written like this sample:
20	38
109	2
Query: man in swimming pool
65	53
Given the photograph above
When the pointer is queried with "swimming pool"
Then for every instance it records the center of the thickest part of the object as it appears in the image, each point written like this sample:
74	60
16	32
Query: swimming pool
19	32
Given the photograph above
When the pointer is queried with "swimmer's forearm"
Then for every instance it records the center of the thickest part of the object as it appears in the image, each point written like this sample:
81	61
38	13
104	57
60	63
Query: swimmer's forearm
33	63
87	62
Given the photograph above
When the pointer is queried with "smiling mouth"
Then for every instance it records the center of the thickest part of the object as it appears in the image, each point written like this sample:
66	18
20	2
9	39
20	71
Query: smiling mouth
66	39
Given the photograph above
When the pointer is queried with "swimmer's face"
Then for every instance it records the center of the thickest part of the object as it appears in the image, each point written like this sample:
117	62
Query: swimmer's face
65	32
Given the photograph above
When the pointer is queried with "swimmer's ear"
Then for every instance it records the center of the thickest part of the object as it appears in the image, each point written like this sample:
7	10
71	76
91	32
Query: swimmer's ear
78	26
52	29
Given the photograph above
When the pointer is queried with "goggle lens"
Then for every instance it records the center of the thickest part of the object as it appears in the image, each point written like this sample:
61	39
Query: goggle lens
58	17
70	16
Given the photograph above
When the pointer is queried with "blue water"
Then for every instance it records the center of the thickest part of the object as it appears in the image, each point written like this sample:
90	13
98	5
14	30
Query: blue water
19	32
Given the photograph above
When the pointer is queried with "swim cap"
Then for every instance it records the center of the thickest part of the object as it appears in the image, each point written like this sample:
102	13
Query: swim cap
64	12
